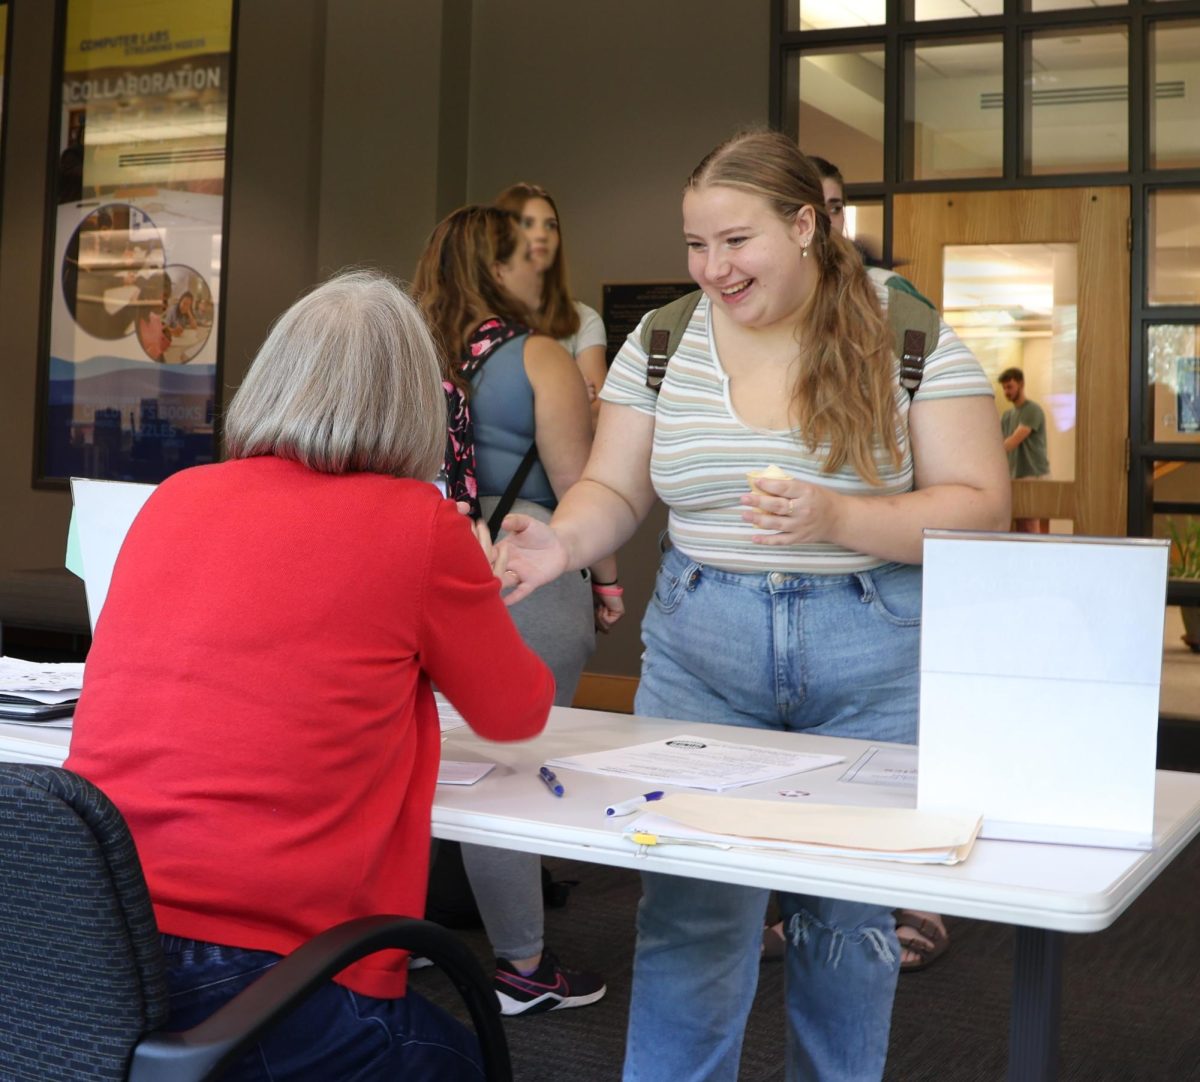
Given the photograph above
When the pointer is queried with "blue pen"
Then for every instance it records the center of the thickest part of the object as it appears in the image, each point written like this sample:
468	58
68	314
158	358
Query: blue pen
552	783
628	807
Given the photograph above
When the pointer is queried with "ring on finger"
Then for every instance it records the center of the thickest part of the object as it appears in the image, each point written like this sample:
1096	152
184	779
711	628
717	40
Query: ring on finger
791	506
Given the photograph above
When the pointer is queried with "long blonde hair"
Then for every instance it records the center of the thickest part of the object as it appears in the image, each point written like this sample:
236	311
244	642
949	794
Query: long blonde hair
845	389
557	317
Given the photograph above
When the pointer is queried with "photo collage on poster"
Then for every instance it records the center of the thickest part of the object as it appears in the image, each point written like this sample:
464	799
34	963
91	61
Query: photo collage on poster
131	376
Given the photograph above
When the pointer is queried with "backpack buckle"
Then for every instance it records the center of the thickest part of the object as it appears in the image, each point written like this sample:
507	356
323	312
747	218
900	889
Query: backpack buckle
912	361
657	359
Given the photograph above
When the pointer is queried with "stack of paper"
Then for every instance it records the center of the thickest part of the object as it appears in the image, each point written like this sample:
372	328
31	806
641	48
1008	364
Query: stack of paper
901	834
697	763
32	691
448	717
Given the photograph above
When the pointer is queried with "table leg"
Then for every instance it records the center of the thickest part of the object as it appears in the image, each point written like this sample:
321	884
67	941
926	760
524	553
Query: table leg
1037	996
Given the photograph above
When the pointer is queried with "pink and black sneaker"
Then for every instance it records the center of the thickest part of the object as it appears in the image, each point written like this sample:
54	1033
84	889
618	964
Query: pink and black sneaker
547	988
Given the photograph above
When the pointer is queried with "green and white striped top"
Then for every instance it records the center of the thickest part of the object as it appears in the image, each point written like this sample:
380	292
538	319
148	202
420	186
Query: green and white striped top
702	450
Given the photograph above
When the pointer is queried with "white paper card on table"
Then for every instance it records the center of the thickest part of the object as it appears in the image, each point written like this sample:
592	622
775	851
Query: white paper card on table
1041	657
697	763
103	513
894	765
457	773
868	833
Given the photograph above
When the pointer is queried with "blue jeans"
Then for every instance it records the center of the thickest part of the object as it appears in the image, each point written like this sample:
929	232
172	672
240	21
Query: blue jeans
830	654
336	1035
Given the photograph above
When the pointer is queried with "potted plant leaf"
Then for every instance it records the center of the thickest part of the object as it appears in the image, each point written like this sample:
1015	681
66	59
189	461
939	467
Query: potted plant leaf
1185	564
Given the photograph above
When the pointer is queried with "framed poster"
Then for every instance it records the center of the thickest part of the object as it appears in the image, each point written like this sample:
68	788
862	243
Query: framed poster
1187	393
626	302
128	377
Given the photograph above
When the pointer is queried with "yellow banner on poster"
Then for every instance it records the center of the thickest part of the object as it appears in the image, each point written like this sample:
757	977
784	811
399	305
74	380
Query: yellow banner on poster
105	34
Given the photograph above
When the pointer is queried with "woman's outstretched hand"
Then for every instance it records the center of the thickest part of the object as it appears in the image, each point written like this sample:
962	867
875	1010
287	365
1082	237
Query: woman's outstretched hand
530	556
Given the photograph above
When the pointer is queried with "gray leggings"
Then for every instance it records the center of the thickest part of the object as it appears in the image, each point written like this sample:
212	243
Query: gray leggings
556	623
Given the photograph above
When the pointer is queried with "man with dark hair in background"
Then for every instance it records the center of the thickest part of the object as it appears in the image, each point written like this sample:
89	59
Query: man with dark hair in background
1024	430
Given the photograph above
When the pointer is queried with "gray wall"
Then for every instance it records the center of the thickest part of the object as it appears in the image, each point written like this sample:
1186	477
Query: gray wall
359	123
35	523
610	105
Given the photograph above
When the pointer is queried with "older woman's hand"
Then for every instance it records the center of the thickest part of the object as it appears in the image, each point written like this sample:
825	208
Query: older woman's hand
483	536
797	512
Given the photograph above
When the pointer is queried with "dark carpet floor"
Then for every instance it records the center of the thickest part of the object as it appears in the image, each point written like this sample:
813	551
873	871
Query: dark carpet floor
1131	994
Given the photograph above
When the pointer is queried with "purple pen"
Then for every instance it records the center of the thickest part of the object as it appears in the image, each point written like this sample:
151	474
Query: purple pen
628	807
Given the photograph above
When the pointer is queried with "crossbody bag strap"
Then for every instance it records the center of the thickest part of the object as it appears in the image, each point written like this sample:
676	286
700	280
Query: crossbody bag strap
510	493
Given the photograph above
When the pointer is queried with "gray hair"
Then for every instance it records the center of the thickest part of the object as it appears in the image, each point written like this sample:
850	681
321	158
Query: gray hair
347	380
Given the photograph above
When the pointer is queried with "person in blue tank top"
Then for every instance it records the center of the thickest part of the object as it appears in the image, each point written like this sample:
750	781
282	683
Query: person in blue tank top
479	289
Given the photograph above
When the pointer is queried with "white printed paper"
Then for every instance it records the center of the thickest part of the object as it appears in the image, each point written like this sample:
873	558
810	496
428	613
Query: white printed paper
455	773
697	763
43	682
895	766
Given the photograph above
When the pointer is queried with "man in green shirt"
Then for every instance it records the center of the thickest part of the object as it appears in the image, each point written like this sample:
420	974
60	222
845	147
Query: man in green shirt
1024	430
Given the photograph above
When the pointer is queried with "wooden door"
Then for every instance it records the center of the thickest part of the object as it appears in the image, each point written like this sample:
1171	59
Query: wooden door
1096	222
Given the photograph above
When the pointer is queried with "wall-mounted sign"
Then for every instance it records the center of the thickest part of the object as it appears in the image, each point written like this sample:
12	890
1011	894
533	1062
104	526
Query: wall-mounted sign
129	363
626	302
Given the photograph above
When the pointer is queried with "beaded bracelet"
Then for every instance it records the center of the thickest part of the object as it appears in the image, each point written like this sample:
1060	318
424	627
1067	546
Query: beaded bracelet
607	590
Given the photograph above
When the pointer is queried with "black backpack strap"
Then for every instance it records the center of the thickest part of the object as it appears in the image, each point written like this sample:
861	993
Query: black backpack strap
915	330
914	322
662	333
510	493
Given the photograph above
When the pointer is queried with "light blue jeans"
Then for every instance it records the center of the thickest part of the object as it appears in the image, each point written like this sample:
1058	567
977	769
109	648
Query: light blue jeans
830	654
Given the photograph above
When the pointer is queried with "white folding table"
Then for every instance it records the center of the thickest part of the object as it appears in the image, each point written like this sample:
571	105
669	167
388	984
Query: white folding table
1044	890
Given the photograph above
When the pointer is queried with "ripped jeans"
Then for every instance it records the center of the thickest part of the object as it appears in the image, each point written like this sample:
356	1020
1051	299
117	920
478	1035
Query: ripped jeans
829	654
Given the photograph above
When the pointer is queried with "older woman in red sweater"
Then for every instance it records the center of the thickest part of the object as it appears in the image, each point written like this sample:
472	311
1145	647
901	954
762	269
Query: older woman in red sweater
258	698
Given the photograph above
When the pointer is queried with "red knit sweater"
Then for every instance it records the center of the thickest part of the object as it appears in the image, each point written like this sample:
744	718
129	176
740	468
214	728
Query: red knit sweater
257	699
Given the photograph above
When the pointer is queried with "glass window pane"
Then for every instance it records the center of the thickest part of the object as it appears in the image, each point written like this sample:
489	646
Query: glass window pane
1173	369
1173	274
1178	483
1174	71
954	113
835	107
864	226
1014	305
1060	5
1076	101
835	14
924	10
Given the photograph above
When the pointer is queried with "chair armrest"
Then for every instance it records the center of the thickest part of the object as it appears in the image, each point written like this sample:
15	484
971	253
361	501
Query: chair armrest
217	1042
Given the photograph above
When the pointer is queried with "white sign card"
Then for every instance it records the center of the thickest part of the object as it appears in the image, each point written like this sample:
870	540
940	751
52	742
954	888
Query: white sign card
104	511
1041	657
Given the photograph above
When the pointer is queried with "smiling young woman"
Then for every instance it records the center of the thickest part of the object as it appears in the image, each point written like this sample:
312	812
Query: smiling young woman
786	361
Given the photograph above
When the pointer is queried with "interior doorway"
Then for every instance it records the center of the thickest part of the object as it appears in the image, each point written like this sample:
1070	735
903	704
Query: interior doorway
1039	280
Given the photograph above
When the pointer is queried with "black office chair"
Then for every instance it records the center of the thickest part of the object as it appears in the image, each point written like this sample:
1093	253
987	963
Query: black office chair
83	993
